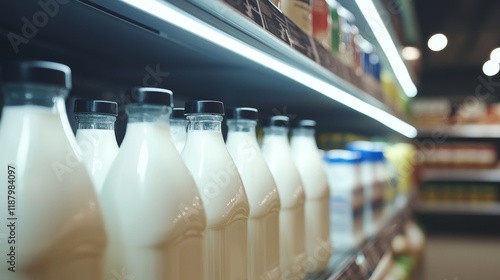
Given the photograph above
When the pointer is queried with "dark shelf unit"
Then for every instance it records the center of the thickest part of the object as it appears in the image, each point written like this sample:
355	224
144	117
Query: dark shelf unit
112	46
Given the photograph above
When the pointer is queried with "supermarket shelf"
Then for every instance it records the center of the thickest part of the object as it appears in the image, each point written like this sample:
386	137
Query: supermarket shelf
112	46
301	52
460	131
370	257
459	208
461	174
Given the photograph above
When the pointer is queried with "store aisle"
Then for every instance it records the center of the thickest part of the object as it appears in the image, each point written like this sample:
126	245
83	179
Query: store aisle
460	258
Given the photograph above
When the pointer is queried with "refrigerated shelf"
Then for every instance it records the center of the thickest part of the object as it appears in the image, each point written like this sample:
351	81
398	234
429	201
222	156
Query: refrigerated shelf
113	45
368	258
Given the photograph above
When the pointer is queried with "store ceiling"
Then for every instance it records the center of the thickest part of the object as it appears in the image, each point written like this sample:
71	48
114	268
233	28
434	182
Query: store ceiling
473	31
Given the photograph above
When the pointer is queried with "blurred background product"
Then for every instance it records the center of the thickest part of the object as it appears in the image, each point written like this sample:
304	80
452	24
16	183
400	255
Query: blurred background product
299	11
321	23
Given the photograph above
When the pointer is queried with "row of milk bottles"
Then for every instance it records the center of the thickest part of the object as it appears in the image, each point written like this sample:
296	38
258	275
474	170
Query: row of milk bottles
87	209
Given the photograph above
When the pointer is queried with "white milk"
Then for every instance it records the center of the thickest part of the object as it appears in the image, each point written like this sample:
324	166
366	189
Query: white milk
277	154
152	207
299	11
225	202
59	233
263	198
317	205
99	149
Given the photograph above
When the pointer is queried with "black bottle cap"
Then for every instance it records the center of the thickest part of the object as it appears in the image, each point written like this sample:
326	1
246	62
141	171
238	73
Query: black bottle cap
90	106
37	72
282	121
152	96
178	113
204	107
306	124
245	113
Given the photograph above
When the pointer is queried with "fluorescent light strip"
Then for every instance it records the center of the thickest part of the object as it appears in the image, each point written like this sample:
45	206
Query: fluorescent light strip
173	15
385	41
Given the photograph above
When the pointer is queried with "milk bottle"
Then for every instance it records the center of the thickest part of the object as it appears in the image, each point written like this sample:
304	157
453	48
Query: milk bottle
278	155
317	208
178	127
221	189
96	136
263	198
52	225
153	210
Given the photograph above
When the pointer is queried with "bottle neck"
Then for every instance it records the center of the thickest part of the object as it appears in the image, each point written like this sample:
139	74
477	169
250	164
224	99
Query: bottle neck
178	123
246	126
305	132
38	95
141	113
204	122
95	121
275	131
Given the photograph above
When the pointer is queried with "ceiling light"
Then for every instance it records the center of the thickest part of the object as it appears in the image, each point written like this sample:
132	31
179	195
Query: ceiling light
437	42
410	53
169	13
495	55
384	39
491	68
